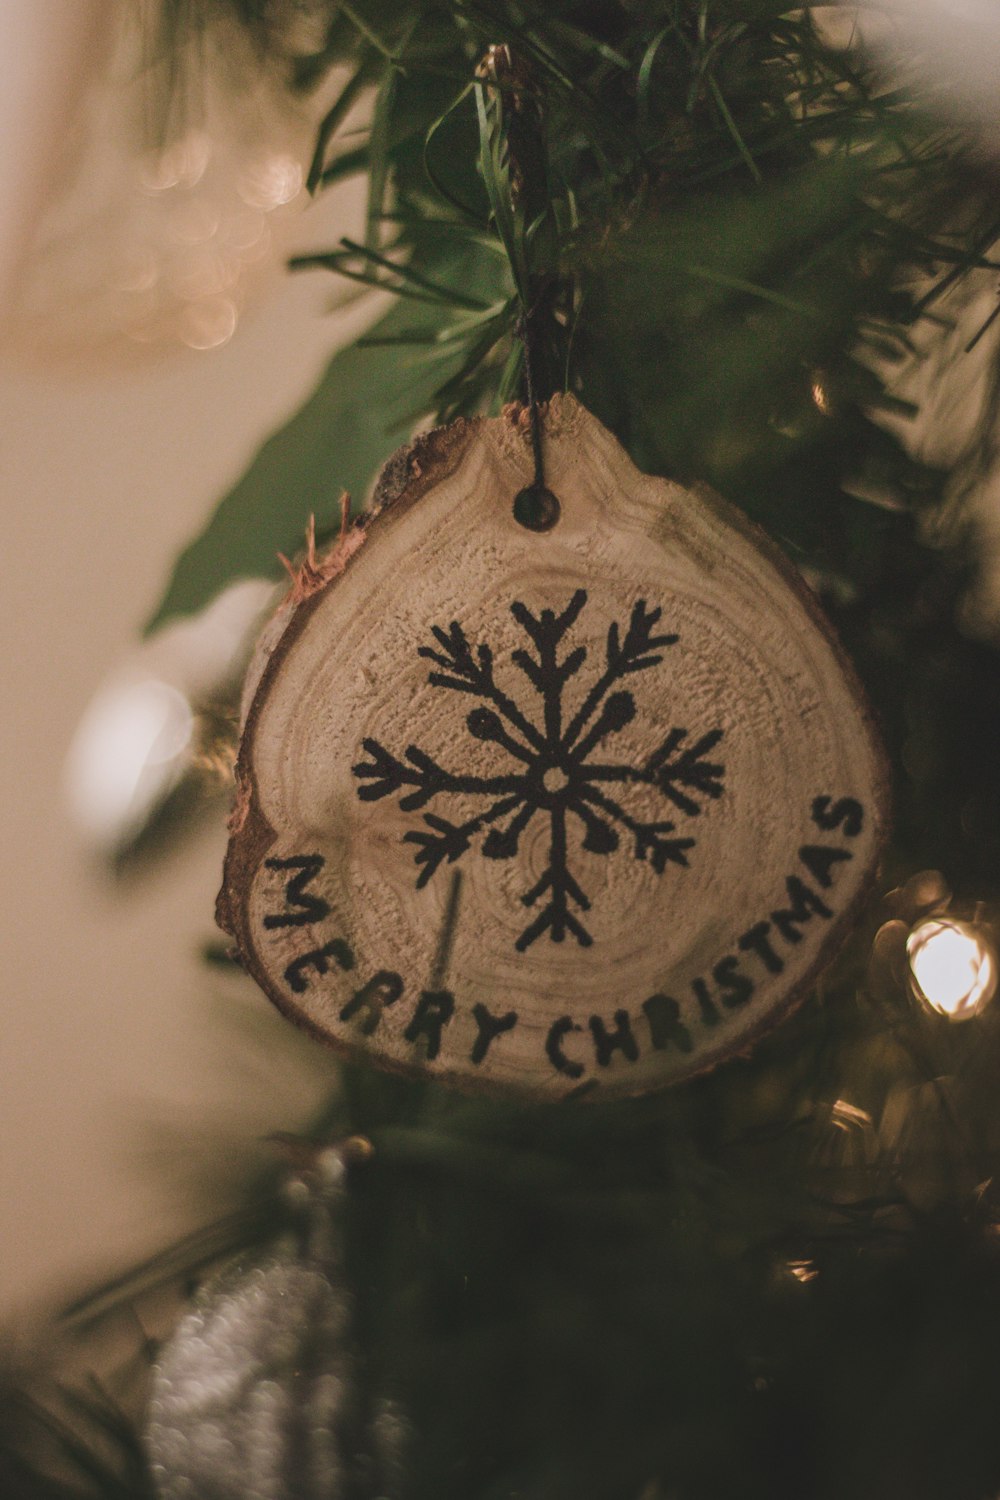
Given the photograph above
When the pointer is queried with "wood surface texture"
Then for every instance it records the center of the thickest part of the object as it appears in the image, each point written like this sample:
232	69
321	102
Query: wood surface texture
573	812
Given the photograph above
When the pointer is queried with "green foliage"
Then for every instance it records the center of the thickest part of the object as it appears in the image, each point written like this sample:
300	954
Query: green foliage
601	1301
76	1444
362	409
701	212
698	209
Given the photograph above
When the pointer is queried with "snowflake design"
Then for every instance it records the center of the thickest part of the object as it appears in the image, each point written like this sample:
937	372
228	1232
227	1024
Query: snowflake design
551	774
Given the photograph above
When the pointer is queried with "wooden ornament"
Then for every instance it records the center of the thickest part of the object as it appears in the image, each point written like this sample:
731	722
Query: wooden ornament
581	809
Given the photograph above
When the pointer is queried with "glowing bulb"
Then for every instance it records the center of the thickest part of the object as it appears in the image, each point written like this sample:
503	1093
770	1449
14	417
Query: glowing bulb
138	274
953	967
140	736
202	272
128	753
181	164
245	230
207	324
271	182
194	222
821	397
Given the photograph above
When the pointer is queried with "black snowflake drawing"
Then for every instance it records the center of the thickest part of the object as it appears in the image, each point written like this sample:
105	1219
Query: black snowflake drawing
551	774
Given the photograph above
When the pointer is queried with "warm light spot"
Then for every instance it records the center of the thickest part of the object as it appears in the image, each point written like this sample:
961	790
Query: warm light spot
207	324
138	306
855	1133
251	251
821	398
194	222
849	1117
143	330
245	230
803	1271
271	182
181	164
202	272
138	274
953	967
128	752
217	760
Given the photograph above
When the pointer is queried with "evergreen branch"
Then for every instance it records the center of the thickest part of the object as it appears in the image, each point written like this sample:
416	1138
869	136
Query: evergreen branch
733	129
495	171
644	76
331	123
754	289
186	1258
370	36
450	394
644	120
88	1447
437	182
495	318
332	262
963	264
345	165
411	282
408	273
379	158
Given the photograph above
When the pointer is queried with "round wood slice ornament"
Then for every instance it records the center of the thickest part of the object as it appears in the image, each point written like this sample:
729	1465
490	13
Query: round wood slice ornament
575	810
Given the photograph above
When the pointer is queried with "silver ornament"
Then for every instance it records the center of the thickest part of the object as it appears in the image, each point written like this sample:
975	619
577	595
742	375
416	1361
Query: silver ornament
254	1396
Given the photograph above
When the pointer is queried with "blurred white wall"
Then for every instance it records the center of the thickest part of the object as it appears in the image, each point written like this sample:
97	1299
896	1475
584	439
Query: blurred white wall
125	1065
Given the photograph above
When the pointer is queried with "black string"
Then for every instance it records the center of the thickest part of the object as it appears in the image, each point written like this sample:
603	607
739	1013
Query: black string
525	334
535	507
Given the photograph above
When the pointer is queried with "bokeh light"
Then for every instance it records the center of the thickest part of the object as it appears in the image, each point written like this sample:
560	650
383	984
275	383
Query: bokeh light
131	748
271	181
953	967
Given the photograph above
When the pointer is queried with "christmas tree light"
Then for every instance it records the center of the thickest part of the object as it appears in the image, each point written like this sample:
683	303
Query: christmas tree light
953	967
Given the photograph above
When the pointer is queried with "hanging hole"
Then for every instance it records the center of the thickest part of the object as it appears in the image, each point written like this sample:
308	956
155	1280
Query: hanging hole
536	508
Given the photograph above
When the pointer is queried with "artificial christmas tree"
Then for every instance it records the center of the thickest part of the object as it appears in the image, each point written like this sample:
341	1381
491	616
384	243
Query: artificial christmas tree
719	230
